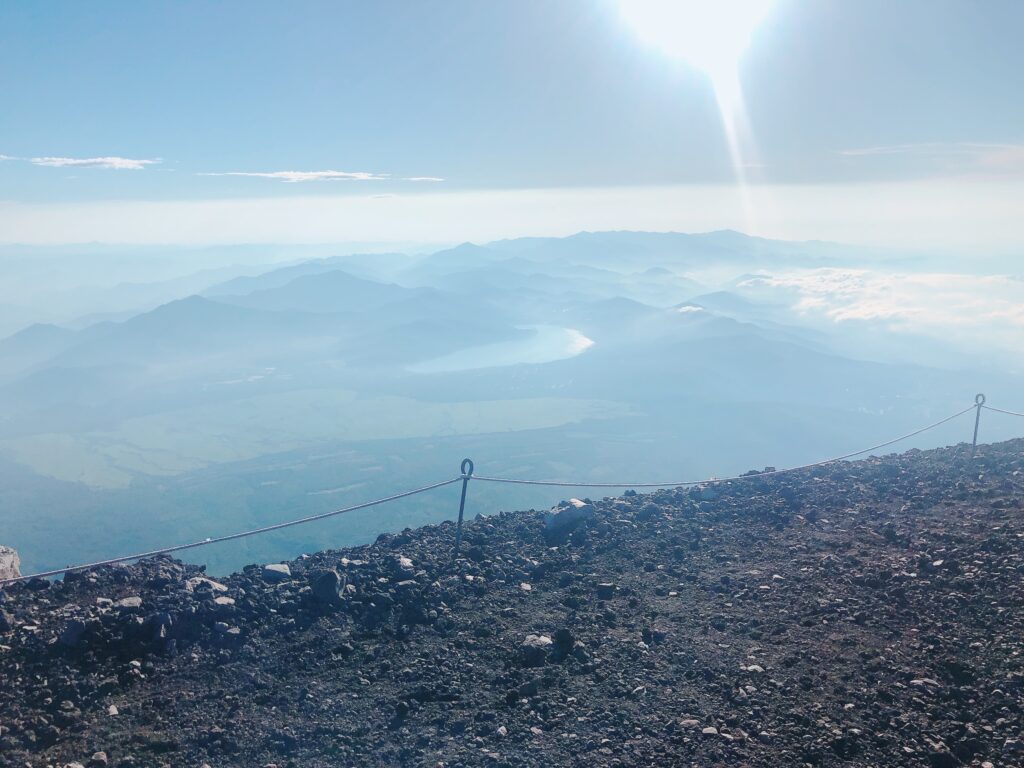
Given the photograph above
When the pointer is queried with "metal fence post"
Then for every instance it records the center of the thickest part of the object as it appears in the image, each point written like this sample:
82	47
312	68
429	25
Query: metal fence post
979	401
467	473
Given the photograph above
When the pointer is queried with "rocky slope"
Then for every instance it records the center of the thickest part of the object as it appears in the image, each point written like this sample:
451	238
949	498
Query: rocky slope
866	614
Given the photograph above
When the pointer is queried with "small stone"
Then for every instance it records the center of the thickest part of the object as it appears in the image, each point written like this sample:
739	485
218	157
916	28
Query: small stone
605	591
943	759
534	650
326	586
98	760
129	603
113	711
72	633
709	731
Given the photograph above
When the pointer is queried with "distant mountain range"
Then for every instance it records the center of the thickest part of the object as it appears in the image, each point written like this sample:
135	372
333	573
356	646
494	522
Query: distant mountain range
618	352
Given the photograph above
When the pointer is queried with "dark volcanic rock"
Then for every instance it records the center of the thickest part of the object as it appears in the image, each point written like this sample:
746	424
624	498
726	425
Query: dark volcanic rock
862	614
326	587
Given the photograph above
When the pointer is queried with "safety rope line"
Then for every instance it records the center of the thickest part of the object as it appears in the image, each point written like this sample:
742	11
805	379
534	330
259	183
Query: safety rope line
1002	410
684	483
230	537
467	475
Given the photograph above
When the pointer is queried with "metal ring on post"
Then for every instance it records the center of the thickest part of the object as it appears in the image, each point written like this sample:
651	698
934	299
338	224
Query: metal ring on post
979	401
467	473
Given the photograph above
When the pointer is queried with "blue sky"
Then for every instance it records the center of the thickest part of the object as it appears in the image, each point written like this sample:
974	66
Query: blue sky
111	106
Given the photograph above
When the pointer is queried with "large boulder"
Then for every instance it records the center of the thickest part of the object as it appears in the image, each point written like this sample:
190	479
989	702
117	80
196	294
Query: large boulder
10	563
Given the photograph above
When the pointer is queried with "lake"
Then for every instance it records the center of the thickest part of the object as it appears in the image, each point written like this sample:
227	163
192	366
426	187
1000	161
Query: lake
547	344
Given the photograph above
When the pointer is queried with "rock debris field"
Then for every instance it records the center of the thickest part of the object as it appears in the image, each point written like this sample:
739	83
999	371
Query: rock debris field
867	613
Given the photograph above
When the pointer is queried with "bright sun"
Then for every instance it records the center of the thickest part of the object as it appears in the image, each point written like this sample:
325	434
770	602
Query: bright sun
708	34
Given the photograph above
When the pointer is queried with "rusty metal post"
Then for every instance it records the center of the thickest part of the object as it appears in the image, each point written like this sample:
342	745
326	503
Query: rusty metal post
467	473
979	401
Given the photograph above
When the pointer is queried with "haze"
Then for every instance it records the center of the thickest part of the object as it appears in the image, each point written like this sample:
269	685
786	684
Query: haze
258	263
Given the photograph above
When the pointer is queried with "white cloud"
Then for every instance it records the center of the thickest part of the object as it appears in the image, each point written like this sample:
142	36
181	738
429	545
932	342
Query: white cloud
423	178
6	157
985	311
293	177
115	163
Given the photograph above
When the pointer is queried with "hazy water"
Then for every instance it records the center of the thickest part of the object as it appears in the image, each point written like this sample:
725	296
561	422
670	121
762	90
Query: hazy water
548	343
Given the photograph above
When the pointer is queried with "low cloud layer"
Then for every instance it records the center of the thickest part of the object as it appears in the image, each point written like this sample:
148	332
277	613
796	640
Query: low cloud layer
979	218
986	310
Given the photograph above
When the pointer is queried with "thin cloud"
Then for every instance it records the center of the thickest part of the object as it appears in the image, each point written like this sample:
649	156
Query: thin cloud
114	163
294	177
964	156
423	178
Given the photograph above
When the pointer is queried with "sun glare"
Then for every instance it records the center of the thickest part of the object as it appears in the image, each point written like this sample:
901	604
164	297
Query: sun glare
710	35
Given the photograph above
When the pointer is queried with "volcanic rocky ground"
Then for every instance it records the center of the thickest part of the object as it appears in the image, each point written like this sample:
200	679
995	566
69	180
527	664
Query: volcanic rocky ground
867	613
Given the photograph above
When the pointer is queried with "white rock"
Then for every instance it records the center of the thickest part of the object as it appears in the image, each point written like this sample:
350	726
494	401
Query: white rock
10	563
275	572
569	515
537	641
195	581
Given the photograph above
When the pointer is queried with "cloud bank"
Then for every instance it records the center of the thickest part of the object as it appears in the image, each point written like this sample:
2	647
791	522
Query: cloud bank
985	311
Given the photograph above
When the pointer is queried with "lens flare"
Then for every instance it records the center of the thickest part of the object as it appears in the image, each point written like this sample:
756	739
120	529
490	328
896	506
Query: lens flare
710	35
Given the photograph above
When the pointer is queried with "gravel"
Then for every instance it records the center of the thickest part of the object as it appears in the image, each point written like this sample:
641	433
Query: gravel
865	613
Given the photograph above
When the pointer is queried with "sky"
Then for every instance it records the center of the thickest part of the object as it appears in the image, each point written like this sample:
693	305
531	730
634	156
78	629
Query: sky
213	122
